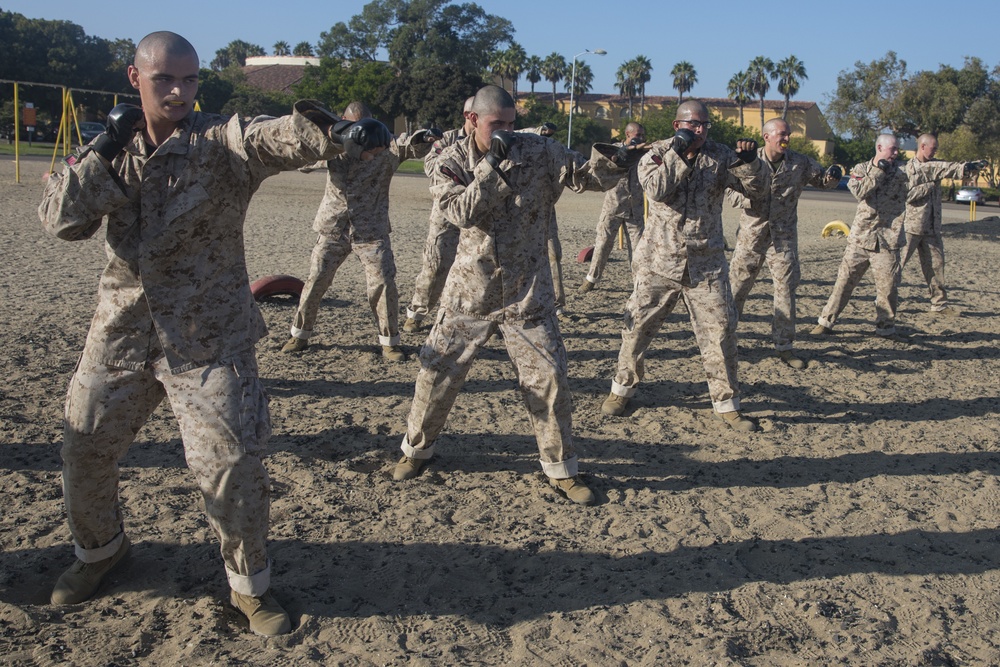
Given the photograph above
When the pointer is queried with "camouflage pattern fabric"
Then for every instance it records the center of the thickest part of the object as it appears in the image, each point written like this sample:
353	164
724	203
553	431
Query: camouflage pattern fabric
623	205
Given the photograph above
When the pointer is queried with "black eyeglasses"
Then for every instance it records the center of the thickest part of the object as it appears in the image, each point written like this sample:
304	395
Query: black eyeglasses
698	123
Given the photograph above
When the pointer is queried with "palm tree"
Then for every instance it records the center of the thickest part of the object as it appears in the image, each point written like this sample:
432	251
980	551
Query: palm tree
625	83
303	49
282	49
497	67
739	91
684	78
583	83
641	67
789	74
554	69
533	71
514	61
759	75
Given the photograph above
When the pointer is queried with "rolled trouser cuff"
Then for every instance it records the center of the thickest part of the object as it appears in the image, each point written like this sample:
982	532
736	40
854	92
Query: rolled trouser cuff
562	469
300	333
254	585
885	331
414	315
100	553
414	453
728	405
621	390
590	279
825	322
388	340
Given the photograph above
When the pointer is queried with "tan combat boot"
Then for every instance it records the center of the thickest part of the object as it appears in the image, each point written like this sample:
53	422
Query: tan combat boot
266	616
82	580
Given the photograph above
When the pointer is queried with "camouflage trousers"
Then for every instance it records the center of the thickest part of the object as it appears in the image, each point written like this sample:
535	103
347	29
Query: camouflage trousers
555	261
439	255
713	318
380	276
930	249
607	234
885	267
539	357
784	267
224	422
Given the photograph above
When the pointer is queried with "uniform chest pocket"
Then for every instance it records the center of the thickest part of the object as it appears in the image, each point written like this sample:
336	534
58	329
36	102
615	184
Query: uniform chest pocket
182	198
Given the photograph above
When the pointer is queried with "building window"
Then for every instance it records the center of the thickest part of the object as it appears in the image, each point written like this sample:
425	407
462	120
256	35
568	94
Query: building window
601	113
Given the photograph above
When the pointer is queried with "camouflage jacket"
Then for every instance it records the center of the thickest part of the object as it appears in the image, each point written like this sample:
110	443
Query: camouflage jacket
357	192
923	204
776	211
176	266
878	222
501	270
684	222
625	199
450	137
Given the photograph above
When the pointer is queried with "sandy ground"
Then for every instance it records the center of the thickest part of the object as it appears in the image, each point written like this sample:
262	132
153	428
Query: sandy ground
859	527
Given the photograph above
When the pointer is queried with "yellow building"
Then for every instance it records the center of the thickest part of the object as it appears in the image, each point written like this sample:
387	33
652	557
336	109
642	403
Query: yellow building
804	118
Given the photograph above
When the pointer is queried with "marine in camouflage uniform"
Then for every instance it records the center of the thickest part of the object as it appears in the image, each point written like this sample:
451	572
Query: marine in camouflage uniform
442	240
768	231
922	224
500	280
623	206
354	217
880	187
681	255
175	317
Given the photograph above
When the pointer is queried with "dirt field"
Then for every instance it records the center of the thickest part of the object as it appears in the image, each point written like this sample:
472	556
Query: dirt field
858	528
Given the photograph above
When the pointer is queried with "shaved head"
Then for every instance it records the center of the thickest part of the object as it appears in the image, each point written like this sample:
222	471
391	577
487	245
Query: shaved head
886	140
775	125
492	99
355	111
926	139
162	45
468	104
692	109
927	145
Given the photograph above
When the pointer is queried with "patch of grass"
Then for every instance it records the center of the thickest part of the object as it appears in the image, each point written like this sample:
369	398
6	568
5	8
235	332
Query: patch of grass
411	167
35	148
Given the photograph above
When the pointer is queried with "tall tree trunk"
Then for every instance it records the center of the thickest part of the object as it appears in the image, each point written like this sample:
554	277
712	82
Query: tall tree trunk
553	93
742	124
784	109
762	114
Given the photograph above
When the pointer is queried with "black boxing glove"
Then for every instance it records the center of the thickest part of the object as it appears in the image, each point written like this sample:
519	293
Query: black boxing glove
121	127
835	172
683	140
548	129
500	143
360	136
977	165
432	134
628	155
750	154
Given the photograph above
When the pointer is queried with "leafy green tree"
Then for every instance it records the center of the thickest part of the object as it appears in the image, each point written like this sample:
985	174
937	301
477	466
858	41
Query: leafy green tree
867	98
851	151
515	60
789	73
337	85
281	48
739	91
685	77
758	75
930	103
214	90
554	69
235	54
430	95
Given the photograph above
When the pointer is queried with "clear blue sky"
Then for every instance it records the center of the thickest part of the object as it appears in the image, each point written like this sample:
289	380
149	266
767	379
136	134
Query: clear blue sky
718	38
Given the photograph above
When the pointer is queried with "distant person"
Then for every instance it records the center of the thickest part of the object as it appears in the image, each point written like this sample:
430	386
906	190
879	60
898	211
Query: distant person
768	232
499	187
175	318
623	207
442	238
881	188
354	217
922	224
681	256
